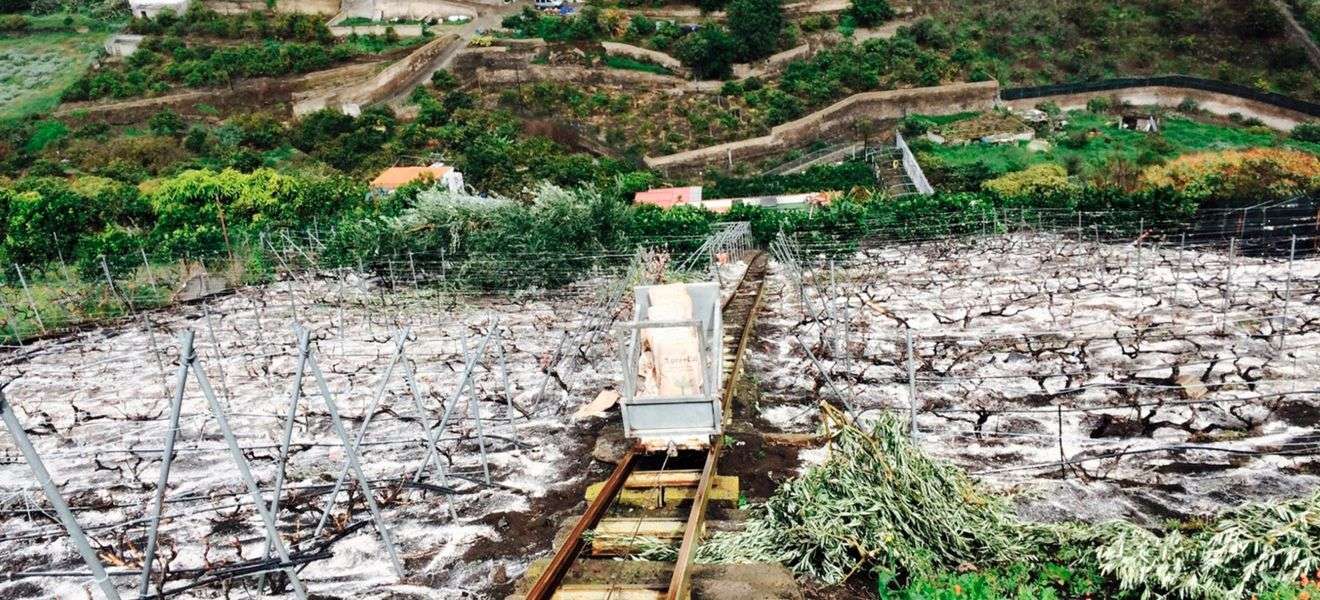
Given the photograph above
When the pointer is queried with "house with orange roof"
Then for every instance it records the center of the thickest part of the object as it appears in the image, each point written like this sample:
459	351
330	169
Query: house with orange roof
394	178
691	196
670	197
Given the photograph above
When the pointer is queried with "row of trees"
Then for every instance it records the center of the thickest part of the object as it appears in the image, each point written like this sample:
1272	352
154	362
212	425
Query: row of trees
752	30
163	62
199	21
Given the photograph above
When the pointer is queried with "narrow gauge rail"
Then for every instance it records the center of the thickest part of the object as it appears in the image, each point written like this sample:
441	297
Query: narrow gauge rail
739	315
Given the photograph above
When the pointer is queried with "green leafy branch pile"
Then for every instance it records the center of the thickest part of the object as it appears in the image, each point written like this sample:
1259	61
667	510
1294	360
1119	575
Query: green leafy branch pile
880	505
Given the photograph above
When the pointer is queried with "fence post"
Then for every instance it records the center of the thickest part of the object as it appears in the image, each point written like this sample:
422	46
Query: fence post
31	302
1228	284
912	387
1287	292
147	267
245	474
151	331
351	450
166	460
1063	456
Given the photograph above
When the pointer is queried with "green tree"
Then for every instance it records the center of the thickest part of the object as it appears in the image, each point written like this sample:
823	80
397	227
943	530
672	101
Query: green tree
1258	19
709	52
756	26
869	13
166	122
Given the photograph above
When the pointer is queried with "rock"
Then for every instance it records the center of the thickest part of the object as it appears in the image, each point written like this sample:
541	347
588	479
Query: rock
1192	386
1039	146
1009	138
935	138
200	285
610	445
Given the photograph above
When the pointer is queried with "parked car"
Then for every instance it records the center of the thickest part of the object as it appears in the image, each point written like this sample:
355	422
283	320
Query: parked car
543	4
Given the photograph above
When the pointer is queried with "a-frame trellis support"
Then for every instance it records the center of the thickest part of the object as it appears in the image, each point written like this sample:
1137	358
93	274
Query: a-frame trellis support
307	362
188	362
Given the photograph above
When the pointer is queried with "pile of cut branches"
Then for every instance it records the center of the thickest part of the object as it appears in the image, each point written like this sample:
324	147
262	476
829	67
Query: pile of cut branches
880	505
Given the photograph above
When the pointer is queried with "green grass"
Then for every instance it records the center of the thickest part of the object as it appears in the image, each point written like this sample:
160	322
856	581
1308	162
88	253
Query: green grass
72	22
360	21
36	67
1180	135
623	62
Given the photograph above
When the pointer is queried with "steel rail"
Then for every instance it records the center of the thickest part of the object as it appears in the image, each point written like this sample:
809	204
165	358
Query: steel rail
550	580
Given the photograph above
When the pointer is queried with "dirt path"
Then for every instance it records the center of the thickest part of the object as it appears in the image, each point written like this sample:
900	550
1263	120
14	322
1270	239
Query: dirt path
1299	33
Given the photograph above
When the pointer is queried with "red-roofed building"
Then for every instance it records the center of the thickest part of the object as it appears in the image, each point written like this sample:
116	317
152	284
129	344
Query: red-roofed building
394	178
669	197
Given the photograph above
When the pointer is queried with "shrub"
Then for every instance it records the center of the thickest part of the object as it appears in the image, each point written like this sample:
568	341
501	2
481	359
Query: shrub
166	122
119	246
1307	132
868	13
1035	181
14	23
1098	105
709	52
444	80
756	26
1232	174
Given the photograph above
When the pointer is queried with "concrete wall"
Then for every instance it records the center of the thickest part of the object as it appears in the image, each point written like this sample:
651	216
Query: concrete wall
393	80
771	65
836	120
1213	102
603	76
659	58
415	9
311	7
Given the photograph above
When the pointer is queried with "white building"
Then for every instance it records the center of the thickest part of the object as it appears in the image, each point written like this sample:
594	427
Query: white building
151	8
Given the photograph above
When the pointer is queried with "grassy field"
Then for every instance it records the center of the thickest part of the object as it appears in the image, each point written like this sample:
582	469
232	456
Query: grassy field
1179	135
35	68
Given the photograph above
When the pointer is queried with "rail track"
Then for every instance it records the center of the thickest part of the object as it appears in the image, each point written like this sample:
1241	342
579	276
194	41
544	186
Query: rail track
617	536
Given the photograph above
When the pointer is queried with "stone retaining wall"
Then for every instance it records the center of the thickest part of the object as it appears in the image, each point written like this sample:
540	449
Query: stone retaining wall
393	80
659	58
1212	102
836	120
272	94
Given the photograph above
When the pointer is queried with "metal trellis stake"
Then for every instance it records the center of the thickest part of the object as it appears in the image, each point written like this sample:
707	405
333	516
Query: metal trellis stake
166	461
52	492
351	452
912	387
36	314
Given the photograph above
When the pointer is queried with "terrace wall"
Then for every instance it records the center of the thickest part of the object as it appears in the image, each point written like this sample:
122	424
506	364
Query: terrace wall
836	120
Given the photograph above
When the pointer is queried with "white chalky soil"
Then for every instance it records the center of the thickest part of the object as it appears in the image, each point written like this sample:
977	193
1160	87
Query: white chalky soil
96	406
1129	351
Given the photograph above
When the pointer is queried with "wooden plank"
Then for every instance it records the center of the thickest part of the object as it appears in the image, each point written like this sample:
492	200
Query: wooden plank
679	585
620	536
657	528
609	592
548	582
651	479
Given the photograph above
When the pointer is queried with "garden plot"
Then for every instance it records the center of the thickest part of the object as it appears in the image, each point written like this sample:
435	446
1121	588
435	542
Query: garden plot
96	406
35	68
1092	380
